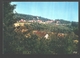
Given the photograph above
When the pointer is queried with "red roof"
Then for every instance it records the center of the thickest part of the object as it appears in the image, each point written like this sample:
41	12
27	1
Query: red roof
40	34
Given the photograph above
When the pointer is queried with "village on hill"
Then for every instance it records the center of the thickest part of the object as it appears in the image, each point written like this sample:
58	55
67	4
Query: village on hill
23	22
40	33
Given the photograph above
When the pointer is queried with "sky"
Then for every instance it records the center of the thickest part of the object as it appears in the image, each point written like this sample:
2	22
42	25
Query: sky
51	10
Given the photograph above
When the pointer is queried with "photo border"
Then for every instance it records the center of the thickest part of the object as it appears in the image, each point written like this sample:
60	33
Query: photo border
20	55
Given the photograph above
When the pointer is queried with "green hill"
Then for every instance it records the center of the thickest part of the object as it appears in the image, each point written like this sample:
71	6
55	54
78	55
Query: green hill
29	17
19	16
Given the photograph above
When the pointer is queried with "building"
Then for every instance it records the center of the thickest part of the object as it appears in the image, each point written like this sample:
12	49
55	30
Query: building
41	34
46	36
22	20
39	21
49	21
31	21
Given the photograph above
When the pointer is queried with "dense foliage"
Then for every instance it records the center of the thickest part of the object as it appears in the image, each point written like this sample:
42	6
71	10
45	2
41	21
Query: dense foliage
17	43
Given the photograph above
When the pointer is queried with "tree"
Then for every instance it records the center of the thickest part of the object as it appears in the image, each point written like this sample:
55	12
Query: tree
8	30
8	13
74	24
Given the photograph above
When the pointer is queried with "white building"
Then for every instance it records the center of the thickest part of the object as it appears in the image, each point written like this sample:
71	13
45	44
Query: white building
49	21
31	21
37	17
46	36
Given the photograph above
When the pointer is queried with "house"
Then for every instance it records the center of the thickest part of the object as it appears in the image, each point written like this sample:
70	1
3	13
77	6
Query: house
39	21
41	34
43	22
31	21
22	20
50	21
46	36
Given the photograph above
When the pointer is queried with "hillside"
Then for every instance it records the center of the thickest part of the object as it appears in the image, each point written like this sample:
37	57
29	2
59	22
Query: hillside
35	38
29	17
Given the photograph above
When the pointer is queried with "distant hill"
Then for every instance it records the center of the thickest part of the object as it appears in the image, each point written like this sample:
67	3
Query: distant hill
29	17
62	21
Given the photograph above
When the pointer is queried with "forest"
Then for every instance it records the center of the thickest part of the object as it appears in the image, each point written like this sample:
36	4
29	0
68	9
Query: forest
62	39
